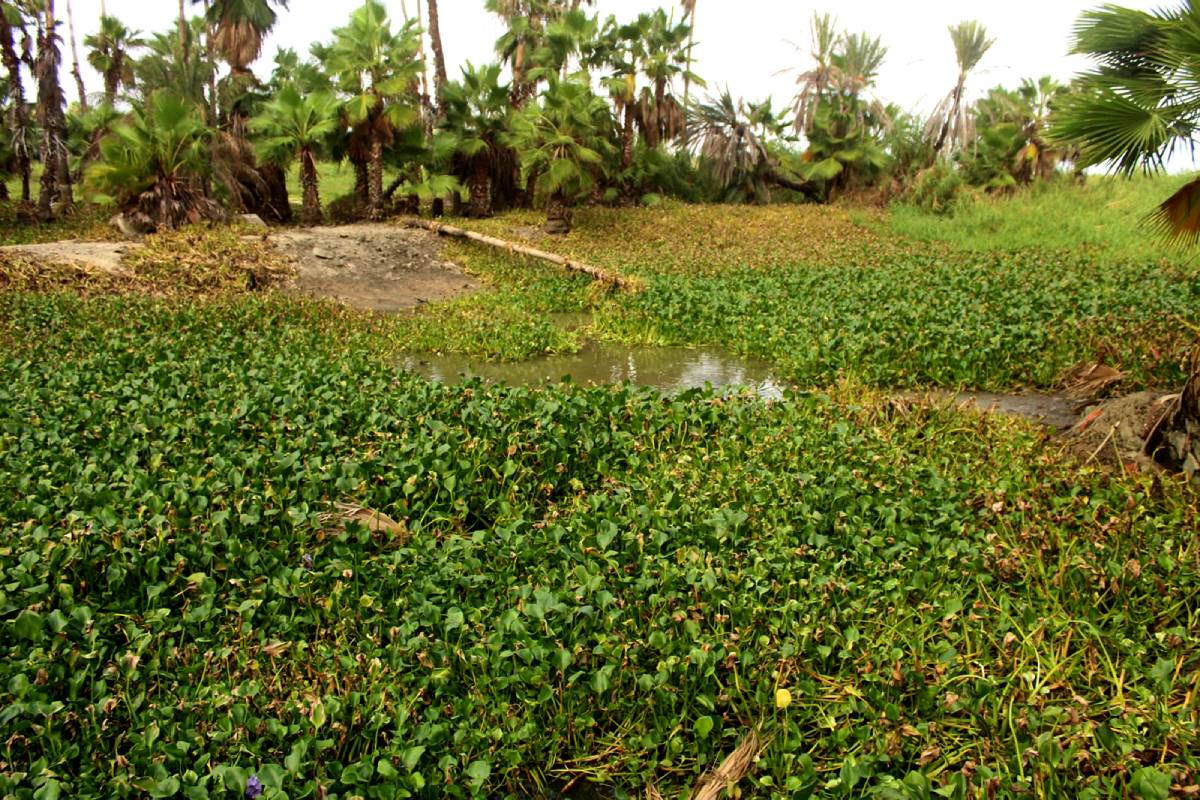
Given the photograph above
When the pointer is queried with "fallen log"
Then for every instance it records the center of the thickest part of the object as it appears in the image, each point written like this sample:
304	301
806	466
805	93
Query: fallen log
602	275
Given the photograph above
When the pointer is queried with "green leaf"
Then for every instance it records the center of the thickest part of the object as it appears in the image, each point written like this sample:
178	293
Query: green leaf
479	771
702	727
411	756
29	625
318	715
1150	784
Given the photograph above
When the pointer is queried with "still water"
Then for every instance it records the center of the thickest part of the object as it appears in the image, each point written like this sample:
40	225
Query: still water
671	369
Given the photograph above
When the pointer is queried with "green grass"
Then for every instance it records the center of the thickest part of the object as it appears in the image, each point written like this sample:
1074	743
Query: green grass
1105	216
600	585
333	181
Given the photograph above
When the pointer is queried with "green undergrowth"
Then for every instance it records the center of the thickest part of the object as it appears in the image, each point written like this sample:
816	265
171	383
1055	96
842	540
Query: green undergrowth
603	586
86	223
825	295
984	321
511	318
1104	216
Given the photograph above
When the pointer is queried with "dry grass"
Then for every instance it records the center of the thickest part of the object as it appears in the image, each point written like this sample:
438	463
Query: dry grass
192	261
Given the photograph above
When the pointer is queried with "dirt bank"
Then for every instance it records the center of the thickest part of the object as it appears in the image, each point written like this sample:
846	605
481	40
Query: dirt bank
374	267
104	256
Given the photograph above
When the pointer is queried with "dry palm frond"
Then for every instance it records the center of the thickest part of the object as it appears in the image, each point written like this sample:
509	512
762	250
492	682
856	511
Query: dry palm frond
952	125
1178	217
732	770
1090	381
345	514
815	83
239	41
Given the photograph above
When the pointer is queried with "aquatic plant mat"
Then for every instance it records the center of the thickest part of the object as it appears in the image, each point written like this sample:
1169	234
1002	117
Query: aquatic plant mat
237	541
607	586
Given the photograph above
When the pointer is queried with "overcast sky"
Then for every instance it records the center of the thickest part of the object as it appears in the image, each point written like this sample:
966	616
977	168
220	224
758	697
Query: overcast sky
747	44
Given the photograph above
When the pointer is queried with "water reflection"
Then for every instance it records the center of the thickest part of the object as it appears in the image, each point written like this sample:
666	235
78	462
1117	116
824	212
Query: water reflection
671	369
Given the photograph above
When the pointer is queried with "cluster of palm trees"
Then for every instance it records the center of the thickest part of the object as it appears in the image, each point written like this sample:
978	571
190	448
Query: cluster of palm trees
574	108
184	130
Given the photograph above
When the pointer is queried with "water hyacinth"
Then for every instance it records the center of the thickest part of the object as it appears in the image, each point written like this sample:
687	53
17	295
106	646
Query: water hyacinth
254	787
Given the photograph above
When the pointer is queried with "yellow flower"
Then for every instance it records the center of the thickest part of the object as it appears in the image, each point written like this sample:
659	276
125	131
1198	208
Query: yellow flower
783	698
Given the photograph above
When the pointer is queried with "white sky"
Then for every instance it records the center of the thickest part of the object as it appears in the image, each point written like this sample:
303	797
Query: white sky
743	43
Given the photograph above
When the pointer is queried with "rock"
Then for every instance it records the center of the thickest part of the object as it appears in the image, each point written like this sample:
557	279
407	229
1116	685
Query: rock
253	220
317	252
133	226
557	227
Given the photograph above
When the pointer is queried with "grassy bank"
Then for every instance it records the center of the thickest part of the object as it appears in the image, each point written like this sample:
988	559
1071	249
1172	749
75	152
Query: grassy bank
1103	216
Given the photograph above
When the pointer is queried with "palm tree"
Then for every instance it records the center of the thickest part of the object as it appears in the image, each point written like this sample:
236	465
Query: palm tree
377	70
624	50
1017	121
155	163
109	54
527	22
294	125
11	20
733	139
239	27
564	141
816	84
1141	102
660	116
55	192
474	129
950	126
168	66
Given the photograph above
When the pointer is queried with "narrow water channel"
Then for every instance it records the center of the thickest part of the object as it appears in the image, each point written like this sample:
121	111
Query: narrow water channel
671	369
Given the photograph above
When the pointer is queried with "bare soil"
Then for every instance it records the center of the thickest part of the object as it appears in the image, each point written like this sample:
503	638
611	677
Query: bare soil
1052	411
1115	432
377	267
103	256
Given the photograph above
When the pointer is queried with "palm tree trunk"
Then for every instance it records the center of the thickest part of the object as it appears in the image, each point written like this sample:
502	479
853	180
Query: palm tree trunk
183	32
953	113
212	73
83	103
18	114
481	189
517	93
55	184
558	214
362	182
375	175
111	80
687	74
660	97
439	56
311	214
627	138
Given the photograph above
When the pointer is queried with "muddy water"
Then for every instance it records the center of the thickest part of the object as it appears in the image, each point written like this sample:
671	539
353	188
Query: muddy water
671	369
674	369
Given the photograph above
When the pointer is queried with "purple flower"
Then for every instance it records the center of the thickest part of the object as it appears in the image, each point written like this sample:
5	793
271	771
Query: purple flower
254	787
308	561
